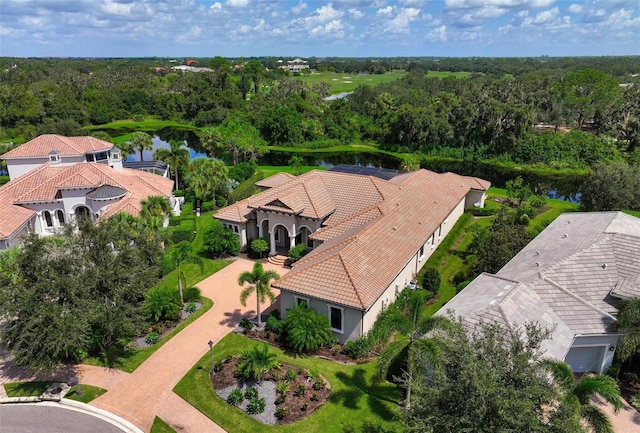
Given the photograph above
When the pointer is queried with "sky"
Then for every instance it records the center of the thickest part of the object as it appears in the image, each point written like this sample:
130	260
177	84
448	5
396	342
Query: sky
318	28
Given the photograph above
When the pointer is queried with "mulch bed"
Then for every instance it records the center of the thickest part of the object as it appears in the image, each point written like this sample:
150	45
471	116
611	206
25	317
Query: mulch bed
298	406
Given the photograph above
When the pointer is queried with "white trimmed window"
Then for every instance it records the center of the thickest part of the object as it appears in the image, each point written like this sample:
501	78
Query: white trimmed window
47	218
60	216
421	253
336	319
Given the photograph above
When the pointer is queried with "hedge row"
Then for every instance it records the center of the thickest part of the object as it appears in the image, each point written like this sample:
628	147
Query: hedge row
246	188
184	231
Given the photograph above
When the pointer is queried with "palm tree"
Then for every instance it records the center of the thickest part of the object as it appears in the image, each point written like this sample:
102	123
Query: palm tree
295	162
578	393
211	141
206	175
175	156
411	163
405	320
629	323
141	141
256	362
183	253
155	209
261	281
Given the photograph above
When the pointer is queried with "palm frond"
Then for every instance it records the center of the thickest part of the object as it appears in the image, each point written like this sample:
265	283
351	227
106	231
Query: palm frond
388	355
244	295
600	384
629	344
560	371
597	420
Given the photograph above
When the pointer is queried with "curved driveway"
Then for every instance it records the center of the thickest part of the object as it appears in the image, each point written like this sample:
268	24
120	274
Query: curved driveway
147	392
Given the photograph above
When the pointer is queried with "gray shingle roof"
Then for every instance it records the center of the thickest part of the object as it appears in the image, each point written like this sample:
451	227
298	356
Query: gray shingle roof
569	279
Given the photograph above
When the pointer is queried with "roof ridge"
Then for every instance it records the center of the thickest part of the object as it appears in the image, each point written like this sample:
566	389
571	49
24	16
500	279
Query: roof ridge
504	317
355	289
67	141
554	266
576	297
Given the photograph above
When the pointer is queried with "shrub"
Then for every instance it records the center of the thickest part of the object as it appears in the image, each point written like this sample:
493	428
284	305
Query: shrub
462	285
300	390
315	397
256	362
281	412
162	303
152	338
318	384
247	324
304	407
306	329
482	211
256	406
242	171
191	294
251	392
246	189
290	375
274	325
431	280
280	398
228	359
221	201
297	252
235	397
219	240
190	307
259	247
359	348
218	366
635	400
208	205
282	388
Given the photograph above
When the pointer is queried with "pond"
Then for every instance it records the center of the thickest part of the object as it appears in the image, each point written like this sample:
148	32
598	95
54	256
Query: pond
161	140
560	186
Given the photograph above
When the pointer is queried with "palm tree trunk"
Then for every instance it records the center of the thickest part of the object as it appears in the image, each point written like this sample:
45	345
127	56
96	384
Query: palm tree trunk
258	309
177	186
180	284
141	157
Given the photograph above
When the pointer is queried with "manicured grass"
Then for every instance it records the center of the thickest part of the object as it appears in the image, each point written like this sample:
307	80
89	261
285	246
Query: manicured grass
131	359
160	426
343	82
37	388
269	170
355	397
444	74
145	125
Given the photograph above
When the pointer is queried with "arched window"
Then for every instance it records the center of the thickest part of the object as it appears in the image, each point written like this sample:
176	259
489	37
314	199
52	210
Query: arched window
60	216
47	218
82	212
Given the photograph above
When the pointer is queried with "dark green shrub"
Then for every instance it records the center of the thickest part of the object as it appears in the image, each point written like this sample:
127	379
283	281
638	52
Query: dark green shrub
235	397
297	252
482	211
256	406
218	366
251	392
152	338
431	280
359	348
282	388
300	390
280	399
315	397
259	247
180	235
221	201
192	294
274	325
256	362
307	330
174	221
219	240
281	412
462	285
207	206
246	189
162	303
190	307
247	324
538	201
242	171
304	407
318	384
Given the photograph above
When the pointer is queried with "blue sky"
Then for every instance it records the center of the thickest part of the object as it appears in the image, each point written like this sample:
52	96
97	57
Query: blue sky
343	28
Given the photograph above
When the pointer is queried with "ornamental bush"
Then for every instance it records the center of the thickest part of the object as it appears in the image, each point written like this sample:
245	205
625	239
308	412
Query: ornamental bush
306	329
235	397
256	406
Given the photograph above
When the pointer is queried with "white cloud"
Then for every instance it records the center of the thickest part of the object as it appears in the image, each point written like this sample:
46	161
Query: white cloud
356	14
193	33
412	3
113	8
402	22
385	11
238	3
510	4
547	17
299	8
332	28
216	6
438	34
575	8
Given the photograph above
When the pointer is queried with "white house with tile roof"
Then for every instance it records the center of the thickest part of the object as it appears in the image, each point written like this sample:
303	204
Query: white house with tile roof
569	279
61	184
370	236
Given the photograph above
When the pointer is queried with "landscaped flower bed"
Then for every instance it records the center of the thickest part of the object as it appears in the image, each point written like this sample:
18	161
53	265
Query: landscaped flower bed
289	393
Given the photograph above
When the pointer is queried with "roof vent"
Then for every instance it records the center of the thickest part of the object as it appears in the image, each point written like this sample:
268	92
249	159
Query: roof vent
565	235
568	221
604	266
395	228
537	253
537	264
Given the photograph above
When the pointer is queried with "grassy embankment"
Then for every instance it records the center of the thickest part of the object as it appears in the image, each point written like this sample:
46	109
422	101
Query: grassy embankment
37	388
355	397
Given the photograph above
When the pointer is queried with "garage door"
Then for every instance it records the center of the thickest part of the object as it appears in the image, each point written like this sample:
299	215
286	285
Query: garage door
585	359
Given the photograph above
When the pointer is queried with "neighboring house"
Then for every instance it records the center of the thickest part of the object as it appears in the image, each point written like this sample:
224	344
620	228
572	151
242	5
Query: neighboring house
52	183
569	279
370	233
295	65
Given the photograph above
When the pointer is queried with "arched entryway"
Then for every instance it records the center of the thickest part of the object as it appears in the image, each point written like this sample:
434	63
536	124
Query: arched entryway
303	238
82	212
280	240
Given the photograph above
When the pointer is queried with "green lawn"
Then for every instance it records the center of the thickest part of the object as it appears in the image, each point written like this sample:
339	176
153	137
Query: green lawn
355	397
270	170
37	388
160	426
343	82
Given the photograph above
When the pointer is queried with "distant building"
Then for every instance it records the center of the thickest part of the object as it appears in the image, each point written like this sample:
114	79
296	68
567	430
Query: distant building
295	65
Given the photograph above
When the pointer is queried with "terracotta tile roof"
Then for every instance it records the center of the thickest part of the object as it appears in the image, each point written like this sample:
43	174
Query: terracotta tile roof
275	180
471	182
355	267
44	183
67	146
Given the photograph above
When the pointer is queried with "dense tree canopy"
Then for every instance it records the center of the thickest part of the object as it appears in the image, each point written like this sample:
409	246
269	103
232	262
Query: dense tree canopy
71	294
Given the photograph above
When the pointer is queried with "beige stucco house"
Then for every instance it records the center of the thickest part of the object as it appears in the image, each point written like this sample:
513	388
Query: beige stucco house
569	279
54	179
368	234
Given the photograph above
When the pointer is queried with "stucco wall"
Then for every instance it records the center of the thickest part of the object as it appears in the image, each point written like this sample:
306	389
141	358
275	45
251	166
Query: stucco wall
20	166
597	342
475	197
